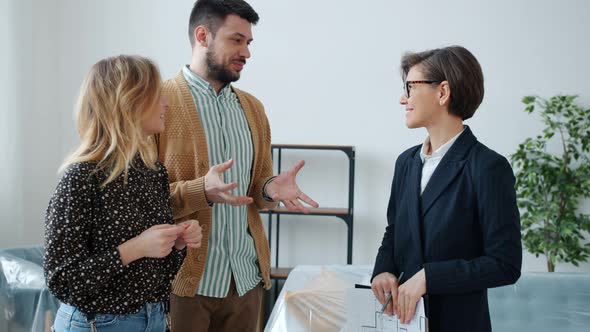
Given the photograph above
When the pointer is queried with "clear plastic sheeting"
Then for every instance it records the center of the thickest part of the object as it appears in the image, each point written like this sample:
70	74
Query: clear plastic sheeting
542	302
313	298
25	301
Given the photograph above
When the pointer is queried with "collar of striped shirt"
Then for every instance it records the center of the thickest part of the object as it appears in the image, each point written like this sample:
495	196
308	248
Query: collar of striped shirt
202	85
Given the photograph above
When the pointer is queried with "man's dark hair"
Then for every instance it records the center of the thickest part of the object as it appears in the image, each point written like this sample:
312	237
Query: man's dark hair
212	13
456	65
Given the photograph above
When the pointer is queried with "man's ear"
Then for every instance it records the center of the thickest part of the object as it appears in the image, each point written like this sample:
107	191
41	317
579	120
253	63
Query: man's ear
201	36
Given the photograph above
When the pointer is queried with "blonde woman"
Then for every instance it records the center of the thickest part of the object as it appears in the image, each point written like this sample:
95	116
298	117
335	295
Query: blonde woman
112	249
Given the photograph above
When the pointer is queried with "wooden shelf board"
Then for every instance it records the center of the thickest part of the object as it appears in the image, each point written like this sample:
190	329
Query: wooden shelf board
280	272
306	146
312	211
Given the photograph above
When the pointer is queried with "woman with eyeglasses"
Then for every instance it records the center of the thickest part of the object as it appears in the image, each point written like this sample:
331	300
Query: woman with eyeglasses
453	223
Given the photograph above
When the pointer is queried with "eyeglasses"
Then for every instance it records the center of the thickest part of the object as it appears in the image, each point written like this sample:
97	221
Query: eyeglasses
408	85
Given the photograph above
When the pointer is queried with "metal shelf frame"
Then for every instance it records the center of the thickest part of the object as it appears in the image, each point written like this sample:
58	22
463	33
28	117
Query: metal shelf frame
345	214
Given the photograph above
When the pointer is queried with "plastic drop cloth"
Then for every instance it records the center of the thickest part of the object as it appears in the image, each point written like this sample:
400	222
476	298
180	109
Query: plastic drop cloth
313	298
25	301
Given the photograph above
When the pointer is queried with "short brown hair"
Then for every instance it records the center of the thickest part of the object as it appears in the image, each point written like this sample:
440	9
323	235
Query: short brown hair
212	13
456	65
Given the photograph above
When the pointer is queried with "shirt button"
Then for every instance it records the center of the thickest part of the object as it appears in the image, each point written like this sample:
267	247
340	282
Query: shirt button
200	257
193	280
203	228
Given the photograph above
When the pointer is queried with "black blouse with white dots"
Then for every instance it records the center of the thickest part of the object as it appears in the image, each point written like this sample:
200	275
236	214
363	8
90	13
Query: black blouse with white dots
85	224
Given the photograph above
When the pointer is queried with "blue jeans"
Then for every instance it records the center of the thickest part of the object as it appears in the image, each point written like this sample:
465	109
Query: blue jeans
150	318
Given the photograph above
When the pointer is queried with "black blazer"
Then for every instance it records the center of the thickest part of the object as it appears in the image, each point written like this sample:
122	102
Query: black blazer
464	230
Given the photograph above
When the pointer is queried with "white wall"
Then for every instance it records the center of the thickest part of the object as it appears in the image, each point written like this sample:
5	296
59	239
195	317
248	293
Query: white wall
327	72
29	128
13	34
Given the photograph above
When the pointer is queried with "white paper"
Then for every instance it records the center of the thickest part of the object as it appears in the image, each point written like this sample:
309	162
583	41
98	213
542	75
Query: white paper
363	314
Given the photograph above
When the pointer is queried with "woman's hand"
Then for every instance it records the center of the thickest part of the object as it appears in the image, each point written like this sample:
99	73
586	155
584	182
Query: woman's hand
384	284
409	293
191	236
154	242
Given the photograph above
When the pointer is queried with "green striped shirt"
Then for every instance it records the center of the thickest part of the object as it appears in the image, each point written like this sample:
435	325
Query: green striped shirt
231	247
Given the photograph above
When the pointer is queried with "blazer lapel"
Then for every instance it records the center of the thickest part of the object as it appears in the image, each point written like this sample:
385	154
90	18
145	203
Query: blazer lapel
448	169
413	201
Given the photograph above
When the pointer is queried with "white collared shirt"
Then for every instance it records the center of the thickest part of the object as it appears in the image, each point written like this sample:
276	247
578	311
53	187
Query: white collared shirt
430	162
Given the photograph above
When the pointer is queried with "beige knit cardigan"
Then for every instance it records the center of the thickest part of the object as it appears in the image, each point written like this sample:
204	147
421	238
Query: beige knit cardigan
182	147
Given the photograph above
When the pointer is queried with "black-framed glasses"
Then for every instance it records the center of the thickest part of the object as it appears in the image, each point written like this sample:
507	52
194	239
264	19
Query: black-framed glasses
408	85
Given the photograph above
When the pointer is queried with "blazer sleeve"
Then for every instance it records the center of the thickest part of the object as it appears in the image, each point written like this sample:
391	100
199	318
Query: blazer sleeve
499	218
384	261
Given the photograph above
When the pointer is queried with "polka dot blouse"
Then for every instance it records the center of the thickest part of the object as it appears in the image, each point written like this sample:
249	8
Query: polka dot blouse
85	223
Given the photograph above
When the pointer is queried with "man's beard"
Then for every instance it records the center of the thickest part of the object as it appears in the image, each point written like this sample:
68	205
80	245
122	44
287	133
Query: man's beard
218	71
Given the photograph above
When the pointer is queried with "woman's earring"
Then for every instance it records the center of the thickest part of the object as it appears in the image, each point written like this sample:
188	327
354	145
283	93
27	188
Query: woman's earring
441	103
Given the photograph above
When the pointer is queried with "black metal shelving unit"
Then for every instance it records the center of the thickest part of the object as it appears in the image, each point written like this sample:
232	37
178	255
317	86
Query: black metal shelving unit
344	213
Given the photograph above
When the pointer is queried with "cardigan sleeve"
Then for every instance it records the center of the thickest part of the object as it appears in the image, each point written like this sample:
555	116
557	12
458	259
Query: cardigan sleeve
187	197
265	161
176	257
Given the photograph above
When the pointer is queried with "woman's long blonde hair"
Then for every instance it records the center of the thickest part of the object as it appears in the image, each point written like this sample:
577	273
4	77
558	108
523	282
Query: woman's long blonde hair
113	99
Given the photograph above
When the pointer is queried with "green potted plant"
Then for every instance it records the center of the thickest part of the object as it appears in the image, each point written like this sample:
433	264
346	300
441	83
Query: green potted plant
550	186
